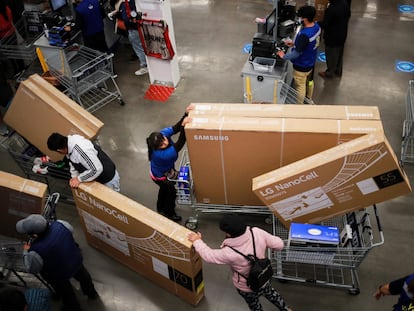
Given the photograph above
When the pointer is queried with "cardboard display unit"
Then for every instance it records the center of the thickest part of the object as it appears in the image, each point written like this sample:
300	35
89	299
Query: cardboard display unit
145	241
227	152
20	197
287	111
38	109
345	178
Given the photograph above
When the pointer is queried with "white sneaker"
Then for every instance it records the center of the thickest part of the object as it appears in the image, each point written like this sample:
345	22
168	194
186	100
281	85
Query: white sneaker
141	71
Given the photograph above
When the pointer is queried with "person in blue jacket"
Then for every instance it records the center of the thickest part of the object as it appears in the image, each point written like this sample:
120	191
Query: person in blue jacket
162	154
403	287
54	254
89	17
304	52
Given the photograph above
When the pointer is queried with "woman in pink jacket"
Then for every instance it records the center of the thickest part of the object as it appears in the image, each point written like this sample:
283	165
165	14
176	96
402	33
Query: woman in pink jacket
238	237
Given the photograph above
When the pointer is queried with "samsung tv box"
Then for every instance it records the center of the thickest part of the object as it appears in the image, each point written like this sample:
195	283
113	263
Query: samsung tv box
313	235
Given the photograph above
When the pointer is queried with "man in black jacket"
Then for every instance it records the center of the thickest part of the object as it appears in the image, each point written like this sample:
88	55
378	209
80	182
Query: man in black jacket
335	28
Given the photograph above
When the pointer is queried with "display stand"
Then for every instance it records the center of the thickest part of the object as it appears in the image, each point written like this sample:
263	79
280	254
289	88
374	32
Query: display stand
161	71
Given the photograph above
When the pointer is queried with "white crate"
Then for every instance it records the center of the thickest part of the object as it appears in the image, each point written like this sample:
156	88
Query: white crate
264	64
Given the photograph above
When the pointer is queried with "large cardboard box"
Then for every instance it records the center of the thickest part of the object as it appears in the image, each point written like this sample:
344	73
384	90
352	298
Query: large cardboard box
19	198
38	109
141	239
227	152
287	111
348	177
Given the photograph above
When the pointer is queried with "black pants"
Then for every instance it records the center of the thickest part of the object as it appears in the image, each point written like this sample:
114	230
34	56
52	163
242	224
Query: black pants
96	41
65	290
252	298
334	56
166	198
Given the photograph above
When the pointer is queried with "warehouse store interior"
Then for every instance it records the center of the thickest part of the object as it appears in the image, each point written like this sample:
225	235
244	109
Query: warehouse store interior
210	38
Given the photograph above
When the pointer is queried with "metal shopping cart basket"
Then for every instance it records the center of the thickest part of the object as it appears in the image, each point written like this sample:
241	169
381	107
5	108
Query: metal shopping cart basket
19	42
12	268
87	75
407	145
36	166
330	266
186	196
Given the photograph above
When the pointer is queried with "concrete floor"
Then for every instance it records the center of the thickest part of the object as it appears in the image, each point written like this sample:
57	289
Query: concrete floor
210	36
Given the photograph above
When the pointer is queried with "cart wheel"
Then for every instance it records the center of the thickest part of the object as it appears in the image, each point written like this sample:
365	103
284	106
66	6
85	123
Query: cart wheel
191	223
353	291
122	103
268	220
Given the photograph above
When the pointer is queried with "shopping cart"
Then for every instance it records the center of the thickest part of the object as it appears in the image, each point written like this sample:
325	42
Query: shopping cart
36	166
328	265
271	92
19	42
12	267
186	196
407	145
87	75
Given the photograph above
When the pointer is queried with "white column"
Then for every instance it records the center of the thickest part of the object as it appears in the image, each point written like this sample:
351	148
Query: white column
161	71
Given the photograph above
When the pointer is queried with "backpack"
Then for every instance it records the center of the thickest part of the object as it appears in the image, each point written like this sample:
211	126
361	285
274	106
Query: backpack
260	269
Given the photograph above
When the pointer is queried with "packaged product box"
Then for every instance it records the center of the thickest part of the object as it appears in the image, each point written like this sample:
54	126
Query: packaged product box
303	235
287	111
38	109
345	178
141	239
227	152
20	197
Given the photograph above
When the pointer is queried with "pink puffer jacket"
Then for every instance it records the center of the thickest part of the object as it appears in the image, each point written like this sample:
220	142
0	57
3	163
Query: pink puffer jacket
227	256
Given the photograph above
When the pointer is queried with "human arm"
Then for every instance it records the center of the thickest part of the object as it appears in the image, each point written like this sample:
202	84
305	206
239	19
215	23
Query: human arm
32	261
393	288
86	156
217	256
382	291
300	45
183	120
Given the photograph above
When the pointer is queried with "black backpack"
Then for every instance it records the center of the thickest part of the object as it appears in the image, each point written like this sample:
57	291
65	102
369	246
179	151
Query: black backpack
260	269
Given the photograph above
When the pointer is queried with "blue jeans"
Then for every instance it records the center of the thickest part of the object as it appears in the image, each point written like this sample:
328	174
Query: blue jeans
114	183
133	37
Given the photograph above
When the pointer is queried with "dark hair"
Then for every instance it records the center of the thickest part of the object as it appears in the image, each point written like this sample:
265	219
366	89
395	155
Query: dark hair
308	12
233	225
57	141
12	299
154	142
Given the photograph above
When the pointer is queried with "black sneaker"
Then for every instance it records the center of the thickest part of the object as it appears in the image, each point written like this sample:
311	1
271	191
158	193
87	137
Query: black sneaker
175	218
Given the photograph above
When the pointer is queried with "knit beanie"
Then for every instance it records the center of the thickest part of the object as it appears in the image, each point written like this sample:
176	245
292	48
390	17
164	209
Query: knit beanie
233	225
34	223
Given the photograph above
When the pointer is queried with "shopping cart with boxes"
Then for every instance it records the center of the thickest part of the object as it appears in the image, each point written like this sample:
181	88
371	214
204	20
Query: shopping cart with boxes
12	267
186	196
312	260
407	145
87	76
331	261
38	167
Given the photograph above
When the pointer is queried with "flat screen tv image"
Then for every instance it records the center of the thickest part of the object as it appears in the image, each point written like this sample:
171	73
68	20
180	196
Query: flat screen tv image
57	5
